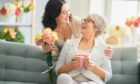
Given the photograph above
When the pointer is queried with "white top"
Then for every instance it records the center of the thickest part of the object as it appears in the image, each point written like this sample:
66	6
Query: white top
97	56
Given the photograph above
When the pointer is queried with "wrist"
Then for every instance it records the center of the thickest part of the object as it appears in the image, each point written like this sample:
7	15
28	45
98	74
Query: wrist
91	66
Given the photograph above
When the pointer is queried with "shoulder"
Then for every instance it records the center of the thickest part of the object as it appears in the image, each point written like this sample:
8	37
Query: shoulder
99	41
99	46
70	44
71	41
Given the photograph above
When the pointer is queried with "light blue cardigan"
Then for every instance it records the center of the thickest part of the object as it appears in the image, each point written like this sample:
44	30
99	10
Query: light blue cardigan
97	56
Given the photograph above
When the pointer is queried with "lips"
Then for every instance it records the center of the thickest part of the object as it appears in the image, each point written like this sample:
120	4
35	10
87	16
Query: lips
83	27
66	19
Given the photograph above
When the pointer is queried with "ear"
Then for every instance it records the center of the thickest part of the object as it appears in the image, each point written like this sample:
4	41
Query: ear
97	30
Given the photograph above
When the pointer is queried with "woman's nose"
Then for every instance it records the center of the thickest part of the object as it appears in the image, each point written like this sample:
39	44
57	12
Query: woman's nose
82	21
68	13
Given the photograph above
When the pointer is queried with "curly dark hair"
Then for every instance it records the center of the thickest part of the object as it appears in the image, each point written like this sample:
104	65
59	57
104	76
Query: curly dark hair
52	10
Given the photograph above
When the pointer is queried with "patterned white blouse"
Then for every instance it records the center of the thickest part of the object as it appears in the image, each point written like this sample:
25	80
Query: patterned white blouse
97	56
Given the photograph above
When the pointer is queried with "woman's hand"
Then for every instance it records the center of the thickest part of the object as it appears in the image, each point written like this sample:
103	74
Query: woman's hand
108	52
86	62
47	47
74	64
89	65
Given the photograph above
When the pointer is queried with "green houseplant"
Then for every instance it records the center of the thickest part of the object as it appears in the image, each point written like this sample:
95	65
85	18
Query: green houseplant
11	34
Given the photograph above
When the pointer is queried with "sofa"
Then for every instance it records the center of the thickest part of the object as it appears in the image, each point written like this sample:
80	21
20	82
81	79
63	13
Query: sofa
23	64
125	66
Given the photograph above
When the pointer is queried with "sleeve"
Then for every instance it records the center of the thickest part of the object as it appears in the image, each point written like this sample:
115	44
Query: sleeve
55	50
106	65
62	57
101	42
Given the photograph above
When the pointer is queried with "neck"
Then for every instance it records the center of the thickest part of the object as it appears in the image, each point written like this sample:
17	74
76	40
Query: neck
87	43
88	39
60	25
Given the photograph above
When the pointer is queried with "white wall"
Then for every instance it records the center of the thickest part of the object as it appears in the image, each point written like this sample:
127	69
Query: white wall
83	7
97	6
79	7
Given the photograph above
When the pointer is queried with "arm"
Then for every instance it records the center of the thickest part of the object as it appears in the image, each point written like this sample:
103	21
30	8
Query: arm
106	65
95	69
62	57
75	26
61	66
108	51
68	67
104	71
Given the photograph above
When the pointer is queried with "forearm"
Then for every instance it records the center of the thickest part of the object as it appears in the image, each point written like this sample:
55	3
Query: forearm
64	69
98	71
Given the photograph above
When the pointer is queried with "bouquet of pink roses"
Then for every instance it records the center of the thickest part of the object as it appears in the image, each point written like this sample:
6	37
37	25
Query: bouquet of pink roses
48	37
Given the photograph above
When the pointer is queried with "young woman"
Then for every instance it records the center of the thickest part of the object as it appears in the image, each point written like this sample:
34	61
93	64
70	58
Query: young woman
57	15
96	68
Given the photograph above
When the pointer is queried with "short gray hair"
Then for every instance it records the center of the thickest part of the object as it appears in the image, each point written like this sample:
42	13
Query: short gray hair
99	22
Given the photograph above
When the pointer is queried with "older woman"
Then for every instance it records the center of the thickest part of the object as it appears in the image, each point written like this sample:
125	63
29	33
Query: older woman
90	68
57	16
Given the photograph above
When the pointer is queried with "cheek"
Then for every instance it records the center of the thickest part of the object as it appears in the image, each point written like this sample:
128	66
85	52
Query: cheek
91	29
84	31
64	19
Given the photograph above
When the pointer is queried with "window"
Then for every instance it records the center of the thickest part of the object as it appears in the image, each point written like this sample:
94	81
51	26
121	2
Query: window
121	9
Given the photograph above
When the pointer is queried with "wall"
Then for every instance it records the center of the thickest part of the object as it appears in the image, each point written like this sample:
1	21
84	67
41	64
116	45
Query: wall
97	6
79	7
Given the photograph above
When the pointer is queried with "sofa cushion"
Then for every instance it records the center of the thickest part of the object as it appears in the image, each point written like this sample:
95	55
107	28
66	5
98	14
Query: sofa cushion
22	63
125	66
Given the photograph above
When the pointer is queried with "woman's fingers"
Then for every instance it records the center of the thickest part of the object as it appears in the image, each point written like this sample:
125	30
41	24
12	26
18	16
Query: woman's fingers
46	47
75	64
108	52
86	63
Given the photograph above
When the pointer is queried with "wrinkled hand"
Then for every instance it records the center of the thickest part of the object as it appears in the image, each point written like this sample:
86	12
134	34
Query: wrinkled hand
86	62
88	65
47	47
74	64
108	52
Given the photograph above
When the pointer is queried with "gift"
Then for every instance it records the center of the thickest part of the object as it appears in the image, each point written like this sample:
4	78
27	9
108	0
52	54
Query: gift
80	56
